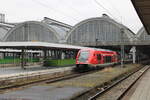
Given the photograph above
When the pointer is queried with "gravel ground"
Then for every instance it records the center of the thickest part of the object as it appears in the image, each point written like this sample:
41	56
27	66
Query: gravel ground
95	79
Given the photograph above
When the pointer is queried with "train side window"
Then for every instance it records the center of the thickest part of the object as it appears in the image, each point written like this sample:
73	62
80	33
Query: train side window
99	56
107	59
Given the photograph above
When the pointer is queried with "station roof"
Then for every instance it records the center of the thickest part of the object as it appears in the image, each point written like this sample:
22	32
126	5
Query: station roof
141	32
4	28
143	9
7	25
61	28
47	30
107	31
22	30
54	22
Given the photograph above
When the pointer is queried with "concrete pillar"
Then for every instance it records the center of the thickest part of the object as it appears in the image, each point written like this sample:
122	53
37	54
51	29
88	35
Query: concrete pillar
62	55
45	54
4	54
13	54
134	54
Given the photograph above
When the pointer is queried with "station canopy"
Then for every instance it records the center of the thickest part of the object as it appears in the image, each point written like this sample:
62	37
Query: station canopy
38	46
143	9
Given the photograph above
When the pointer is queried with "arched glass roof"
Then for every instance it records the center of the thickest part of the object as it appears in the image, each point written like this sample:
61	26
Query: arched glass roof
99	31
36	31
4	28
142	35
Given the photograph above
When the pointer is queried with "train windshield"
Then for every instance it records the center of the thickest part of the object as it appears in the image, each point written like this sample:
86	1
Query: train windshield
83	57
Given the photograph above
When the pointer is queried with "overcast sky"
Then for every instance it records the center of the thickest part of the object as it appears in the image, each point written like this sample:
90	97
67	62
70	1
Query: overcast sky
70	11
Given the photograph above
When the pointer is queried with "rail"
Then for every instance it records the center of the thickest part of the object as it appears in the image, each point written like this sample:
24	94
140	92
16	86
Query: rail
99	93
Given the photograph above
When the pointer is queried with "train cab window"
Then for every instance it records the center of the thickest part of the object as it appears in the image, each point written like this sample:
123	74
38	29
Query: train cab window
83	56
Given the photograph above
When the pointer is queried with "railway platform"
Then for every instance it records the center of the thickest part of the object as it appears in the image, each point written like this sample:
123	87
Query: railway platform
141	90
14	71
16	74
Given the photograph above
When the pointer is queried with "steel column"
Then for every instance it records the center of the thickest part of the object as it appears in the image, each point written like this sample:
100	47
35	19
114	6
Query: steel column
22	58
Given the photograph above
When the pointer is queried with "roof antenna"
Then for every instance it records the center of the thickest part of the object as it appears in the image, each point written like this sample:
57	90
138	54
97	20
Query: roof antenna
105	15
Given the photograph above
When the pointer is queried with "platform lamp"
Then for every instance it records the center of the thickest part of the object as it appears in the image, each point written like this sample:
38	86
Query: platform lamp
122	47
96	41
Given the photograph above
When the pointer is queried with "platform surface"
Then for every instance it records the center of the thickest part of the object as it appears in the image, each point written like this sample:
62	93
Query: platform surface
142	91
14	71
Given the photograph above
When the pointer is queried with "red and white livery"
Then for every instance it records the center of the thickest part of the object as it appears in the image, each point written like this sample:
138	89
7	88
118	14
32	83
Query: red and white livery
94	58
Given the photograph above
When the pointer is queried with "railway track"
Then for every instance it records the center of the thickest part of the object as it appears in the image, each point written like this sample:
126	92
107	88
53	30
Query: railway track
114	90
119	88
46	81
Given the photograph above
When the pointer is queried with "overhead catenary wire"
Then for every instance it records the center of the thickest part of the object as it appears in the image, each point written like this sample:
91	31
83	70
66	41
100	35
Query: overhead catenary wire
56	11
104	9
117	11
76	11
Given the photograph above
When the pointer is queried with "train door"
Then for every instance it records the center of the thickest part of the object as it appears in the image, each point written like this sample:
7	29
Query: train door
114	58
99	58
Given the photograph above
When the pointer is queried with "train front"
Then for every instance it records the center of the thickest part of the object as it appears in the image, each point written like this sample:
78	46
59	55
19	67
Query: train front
83	59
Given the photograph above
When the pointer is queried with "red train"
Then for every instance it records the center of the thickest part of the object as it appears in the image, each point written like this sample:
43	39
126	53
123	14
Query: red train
94	58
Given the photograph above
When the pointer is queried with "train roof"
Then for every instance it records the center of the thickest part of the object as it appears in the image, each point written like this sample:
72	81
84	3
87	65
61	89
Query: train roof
102	49
98	49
